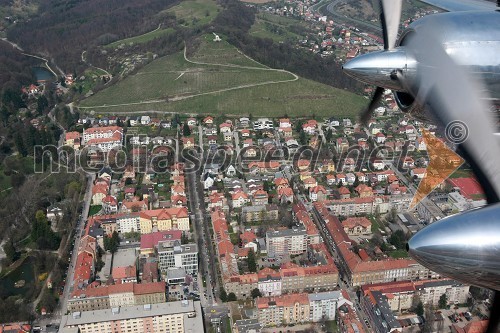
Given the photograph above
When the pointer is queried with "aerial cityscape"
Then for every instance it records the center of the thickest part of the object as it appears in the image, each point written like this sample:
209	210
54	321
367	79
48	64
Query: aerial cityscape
243	166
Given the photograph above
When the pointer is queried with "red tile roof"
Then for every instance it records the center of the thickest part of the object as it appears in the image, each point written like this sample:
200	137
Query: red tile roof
474	327
288	300
72	135
352	222
149	241
165	213
124	272
103	129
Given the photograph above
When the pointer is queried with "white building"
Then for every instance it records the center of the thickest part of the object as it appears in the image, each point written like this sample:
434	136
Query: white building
179	256
323	305
103	138
289	241
430	292
174	317
269	284
128	223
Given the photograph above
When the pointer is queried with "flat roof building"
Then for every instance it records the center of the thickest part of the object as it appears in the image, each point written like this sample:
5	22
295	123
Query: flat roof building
174	317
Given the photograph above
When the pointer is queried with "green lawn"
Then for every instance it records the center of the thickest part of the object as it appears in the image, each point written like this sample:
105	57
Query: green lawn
171	84
221	53
462	173
153	85
92	76
194	13
228	325
376	225
331	326
94	209
144	38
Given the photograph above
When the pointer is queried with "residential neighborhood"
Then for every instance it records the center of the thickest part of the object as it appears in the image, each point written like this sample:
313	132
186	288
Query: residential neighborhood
206	166
301	238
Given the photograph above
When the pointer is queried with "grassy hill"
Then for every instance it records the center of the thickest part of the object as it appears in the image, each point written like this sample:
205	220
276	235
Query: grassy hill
278	28
217	79
192	13
144	38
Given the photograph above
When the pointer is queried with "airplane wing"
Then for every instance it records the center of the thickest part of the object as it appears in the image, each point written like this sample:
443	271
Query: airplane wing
462	5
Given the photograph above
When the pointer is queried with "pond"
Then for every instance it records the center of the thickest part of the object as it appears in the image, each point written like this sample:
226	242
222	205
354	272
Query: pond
24	272
43	74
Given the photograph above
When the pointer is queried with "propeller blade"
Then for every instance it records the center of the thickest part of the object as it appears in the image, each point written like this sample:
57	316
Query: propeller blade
366	114
456	99
390	15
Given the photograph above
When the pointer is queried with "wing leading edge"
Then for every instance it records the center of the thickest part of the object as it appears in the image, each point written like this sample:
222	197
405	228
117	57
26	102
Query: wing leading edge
462	5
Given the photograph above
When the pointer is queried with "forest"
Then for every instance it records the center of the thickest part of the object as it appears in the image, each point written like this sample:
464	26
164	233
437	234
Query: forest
64	29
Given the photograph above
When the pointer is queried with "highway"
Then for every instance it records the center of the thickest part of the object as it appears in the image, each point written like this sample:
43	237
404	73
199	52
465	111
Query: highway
359	23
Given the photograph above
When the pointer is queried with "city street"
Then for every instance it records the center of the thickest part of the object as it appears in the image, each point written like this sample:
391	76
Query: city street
202	230
55	317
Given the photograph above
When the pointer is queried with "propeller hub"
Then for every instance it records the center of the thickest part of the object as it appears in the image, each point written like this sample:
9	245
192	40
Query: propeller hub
381	68
465	247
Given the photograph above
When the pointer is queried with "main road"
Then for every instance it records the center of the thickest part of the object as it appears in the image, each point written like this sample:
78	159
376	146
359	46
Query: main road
201	227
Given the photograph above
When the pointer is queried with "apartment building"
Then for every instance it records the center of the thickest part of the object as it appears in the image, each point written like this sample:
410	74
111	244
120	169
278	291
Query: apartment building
178	256
128	222
430	292
283	310
315	278
164	219
366	271
241	285
355	226
293	308
286	242
323	306
403	293
103	138
149	242
380	314
173	317
72	139
291	278
259	213
356	206
105	297
269	282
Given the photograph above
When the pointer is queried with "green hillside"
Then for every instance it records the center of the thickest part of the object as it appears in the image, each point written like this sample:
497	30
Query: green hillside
218	78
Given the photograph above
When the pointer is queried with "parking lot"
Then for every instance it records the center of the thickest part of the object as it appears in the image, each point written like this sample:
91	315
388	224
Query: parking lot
457	316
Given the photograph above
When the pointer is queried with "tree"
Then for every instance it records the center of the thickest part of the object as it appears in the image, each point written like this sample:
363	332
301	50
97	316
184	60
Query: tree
328	135
223	294
256	293
186	131
398	239
420	309
252	264
111	243
231	297
10	250
303	138
184	238
443	301
42	104
48	301
356	183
